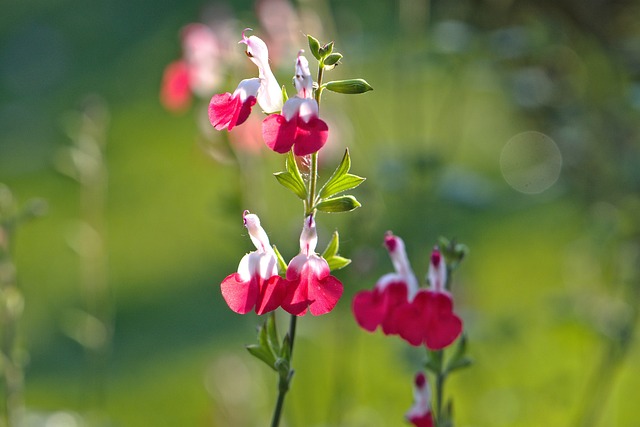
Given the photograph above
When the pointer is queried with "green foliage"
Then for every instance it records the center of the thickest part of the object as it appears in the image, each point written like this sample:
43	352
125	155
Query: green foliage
338	204
349	87
269	350
291	177
341	180
330	254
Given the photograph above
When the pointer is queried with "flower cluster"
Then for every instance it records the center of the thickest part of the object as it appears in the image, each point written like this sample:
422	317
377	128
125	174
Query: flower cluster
307	285
400	307
293	125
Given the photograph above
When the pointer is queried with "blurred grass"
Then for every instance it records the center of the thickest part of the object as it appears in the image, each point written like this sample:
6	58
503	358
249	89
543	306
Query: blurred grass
428	139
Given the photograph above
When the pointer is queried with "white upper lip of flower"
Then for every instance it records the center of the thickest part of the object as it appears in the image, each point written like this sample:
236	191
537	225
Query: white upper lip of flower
269	95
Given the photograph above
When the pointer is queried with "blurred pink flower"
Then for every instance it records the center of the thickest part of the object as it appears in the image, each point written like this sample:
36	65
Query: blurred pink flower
420	413
175	93
197	73
419	316
377	307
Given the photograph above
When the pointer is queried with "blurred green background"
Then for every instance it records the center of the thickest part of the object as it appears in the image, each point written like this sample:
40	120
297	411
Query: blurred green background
512	126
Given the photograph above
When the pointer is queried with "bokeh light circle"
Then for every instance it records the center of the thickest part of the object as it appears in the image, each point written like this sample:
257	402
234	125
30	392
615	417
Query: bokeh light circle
531	162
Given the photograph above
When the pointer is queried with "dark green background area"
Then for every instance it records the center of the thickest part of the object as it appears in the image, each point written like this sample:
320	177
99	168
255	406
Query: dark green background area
549	290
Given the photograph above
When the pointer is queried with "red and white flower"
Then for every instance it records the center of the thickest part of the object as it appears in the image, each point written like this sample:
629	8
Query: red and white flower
429	318
256	284
309	283
419	316
420	413
298	126
227	110
376	307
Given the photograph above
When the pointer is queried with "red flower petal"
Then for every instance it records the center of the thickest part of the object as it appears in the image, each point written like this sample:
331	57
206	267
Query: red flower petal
175	92
324	295
245	110
278	133
369	309
295	301
311	287
310	137
425	420
271	294
224	110
395	296
240	296
444	326
409	322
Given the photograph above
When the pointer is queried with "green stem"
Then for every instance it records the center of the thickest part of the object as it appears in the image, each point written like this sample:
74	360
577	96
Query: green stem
440	378
313	173
285	381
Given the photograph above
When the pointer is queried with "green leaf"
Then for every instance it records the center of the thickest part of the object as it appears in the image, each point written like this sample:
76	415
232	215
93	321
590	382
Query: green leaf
340	180
463	362
332	59
330	254
291	178
434	361
326	49
285	352
338	204
337	262
285	95
314	47
262	354
350	87
346	182
459	359
282	265
332	246
272	334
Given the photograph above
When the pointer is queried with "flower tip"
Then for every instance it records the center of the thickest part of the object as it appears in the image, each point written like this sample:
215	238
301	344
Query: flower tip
420	380
249	219
245	39
436	257
390	241
310	222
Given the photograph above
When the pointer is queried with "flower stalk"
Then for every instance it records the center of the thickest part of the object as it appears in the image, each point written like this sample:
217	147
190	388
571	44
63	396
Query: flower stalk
264	282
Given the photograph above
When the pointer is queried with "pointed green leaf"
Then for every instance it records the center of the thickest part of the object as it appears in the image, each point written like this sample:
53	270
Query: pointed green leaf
338	204
332	247
285	352
282	265
288	181
332	59
341	171
291	178
344	183
463	362
262	354
272	334
350	87
314	47
326	49
337	262
434	361
459	359
285	95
